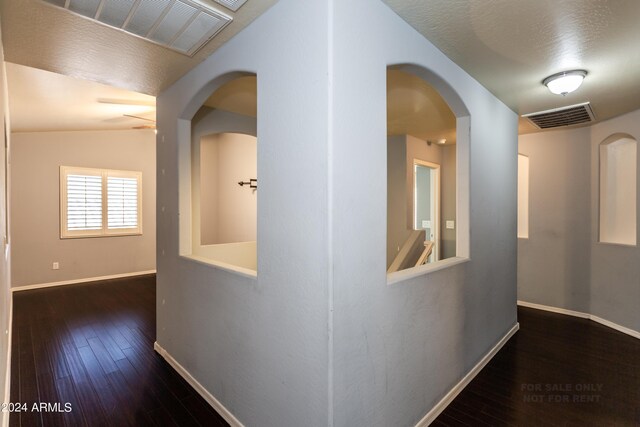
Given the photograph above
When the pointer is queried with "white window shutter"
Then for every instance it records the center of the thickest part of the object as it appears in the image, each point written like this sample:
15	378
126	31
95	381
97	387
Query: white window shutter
100	202
122	203
84	202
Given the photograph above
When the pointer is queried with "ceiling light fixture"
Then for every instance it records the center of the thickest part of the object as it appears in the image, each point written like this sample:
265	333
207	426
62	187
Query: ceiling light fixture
565	82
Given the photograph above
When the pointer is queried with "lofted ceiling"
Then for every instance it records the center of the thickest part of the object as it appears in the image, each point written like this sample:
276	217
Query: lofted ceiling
509	46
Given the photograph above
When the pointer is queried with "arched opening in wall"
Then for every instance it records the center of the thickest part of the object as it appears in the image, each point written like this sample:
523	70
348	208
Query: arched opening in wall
224	177
618	186
426	197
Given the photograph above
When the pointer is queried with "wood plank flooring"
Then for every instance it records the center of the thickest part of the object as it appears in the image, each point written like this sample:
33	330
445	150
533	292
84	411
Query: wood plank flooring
556	371
91	346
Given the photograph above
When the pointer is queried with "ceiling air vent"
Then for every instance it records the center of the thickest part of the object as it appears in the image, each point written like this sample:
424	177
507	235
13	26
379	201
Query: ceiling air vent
231	4
565	116
181	25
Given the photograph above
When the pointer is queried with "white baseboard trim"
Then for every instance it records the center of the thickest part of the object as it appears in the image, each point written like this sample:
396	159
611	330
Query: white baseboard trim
85	280
7	378
597	319
554	309
448	398
215	403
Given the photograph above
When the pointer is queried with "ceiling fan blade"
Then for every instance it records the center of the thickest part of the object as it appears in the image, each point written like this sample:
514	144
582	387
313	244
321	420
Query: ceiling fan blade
117	119
139	117
126	102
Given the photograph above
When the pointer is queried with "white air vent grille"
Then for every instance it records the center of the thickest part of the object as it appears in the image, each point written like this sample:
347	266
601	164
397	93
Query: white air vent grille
231	4
181	25
565	116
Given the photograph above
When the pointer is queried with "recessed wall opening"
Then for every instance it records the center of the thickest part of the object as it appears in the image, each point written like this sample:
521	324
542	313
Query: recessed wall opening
523	196
422	174
618	175
224	177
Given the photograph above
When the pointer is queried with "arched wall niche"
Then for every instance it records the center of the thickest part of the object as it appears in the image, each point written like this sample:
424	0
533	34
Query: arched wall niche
618	189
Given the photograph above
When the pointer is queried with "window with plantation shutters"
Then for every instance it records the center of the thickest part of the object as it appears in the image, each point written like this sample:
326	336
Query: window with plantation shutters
99	202
84	202
122	203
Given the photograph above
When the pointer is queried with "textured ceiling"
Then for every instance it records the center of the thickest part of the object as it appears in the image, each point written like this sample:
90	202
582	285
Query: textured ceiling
42	36
507	45
510	46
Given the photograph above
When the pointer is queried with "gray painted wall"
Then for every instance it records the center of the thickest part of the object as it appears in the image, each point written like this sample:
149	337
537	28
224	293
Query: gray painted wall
36	158
448	236
5	275
398	349
258	344
398	219
562	264
318	337
615	269
552	262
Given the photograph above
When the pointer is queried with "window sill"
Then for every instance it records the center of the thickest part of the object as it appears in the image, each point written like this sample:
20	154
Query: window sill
93	236
230	268
623	245
423	270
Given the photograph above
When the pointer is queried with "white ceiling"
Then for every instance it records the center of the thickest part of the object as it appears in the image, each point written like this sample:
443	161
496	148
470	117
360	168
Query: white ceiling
45	101
507	45
510	46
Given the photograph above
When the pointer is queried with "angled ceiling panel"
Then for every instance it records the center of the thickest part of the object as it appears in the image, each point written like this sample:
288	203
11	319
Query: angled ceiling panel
193	34
115	12
86	8
231	4
181	25
173	22
146	15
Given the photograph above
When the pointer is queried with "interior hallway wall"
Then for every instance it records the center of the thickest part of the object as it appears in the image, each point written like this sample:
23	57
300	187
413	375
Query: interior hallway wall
318	337
400	347
258	343
36	158
552	262
5	274
615	269
562	264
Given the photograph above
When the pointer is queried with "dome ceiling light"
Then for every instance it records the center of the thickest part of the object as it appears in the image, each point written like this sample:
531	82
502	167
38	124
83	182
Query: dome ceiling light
564	82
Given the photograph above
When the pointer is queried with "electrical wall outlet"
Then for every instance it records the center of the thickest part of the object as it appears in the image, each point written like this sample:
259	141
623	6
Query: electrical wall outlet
55	266
451	225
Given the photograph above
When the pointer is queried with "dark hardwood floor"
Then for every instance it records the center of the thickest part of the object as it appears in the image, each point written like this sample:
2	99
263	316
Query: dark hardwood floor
91	346
556	371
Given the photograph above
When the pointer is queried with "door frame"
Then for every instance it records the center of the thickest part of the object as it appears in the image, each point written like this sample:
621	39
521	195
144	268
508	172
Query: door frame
434	205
